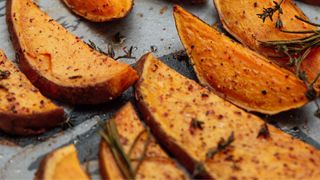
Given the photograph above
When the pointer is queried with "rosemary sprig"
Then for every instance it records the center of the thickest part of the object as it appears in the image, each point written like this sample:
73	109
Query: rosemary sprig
222	145
144	152
297	50
269	12
128	53
111	136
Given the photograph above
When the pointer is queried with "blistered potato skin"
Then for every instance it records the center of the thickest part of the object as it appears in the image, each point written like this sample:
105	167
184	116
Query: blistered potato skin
236	73
130	127
61	65
23	110
100	10
240	19
171	101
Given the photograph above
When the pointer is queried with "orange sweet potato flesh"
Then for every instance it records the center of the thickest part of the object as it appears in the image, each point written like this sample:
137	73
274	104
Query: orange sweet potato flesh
236	73
240	19
156	165
61	164
100	10
23	110
60	64
170	103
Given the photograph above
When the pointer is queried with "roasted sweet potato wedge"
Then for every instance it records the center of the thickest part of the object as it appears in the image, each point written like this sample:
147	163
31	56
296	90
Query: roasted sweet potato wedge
236	73
135	139
60	64
61	164
240	19
100	10
23	110
202	130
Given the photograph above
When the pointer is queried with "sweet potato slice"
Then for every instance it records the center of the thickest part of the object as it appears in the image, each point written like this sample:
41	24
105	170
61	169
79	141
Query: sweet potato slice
100	10
236	73
61	164
133	135
23	110
240	19
199	128
60	64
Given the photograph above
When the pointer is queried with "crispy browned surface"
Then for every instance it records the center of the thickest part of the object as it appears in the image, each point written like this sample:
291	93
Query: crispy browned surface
61	164
315	2
156	165
23	110
236	73
100	10
169	102
240	19
60	64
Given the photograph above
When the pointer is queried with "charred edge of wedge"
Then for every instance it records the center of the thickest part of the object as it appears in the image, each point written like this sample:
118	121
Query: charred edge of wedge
98	19
161	136
314	2
103	92
31	125
225	26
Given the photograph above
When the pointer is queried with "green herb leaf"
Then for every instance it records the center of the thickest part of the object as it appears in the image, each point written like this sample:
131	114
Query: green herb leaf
111	136
222	145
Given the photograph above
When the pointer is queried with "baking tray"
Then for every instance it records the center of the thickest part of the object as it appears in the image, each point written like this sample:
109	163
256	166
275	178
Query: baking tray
150	24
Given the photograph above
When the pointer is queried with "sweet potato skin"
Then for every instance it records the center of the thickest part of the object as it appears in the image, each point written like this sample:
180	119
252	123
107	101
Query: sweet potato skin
242	22
236	73
44	172
130	127
73	93
169	104
100	10
18	117
314	2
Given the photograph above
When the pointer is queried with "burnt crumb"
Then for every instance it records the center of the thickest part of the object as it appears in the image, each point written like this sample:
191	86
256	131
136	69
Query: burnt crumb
197	124
4	74
153	48
204	95
264	92
255	4
264	132
75	77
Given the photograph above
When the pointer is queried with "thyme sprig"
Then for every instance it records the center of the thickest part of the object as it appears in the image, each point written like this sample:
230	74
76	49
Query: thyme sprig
269	12
128	53
222	145
298	50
